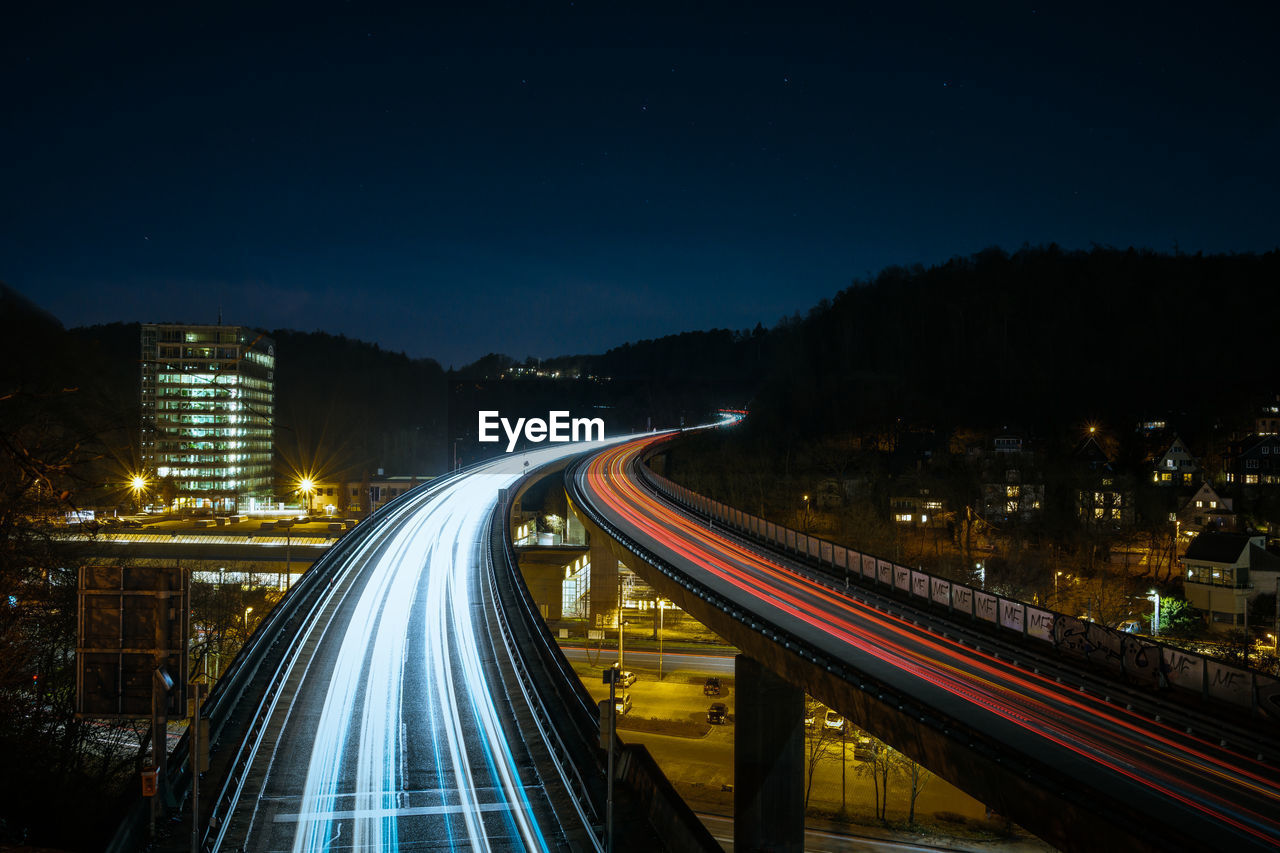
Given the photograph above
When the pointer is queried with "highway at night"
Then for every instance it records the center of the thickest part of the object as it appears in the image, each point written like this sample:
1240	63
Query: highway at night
395	727
1191	791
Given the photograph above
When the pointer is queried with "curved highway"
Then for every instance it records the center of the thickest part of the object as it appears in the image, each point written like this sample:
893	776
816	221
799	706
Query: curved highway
394	726
1195	793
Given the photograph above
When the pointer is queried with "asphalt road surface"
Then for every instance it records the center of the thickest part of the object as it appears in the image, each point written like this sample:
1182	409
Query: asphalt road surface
394	729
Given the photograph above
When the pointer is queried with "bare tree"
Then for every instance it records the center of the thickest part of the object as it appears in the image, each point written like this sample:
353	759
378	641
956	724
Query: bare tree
919	777
822	744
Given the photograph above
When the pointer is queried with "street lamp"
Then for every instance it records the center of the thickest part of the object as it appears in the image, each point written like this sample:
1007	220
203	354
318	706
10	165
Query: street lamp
307	486
661	611
1056	575
247	611
1154	597
138	484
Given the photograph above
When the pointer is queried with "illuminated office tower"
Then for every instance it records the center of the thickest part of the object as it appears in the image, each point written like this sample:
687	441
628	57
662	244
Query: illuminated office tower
208	399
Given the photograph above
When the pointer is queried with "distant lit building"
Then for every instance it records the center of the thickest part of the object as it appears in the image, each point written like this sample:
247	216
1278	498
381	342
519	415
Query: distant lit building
208	413
1268	420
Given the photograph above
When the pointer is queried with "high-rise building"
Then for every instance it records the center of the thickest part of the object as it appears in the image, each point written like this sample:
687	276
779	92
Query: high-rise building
208	410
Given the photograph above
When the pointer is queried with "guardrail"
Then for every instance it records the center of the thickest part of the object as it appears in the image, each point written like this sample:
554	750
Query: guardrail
515	614
1143	661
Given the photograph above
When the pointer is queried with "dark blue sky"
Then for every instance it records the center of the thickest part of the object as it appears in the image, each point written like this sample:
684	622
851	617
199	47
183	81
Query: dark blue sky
541	179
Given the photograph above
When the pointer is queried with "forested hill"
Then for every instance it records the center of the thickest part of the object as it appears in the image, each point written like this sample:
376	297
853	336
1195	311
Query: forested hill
1040	337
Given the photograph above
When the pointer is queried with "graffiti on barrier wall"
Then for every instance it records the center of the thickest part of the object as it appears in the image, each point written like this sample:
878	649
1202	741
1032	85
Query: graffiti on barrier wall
984	607
940	591
1040	624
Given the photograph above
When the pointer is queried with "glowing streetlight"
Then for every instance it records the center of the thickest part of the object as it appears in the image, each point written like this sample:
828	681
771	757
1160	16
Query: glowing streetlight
1154	597
138	484
307	486
247	611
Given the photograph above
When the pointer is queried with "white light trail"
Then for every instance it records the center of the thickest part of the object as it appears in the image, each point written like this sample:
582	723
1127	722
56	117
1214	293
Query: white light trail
428	564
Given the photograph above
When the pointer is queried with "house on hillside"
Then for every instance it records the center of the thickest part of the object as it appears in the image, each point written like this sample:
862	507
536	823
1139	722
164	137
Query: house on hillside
1253	461
1206	512
1102	497
1175	466
1012	482
1224	572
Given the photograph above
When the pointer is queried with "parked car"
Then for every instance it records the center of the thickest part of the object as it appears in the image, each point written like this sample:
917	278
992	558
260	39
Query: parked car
712	687
622	704
834	721
866	749
1130	626
626	678
718	713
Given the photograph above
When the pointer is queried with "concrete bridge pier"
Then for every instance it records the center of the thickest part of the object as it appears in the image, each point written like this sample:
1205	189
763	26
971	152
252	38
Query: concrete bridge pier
604	581
768	761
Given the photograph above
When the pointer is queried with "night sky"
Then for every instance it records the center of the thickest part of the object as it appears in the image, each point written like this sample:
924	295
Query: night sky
544	179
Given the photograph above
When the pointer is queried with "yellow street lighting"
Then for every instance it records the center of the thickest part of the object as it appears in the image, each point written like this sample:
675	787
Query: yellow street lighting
307	486
138	483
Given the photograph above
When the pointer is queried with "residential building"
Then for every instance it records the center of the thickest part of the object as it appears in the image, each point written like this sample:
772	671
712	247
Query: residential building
1175	466
1253	461
1103	499
208	414
1206	511
1012	482
1224	572
918	509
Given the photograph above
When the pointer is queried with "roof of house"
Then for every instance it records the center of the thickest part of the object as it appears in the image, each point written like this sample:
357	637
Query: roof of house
1217	547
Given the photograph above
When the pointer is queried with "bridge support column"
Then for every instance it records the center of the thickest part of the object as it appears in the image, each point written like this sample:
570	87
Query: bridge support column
768	761
604	580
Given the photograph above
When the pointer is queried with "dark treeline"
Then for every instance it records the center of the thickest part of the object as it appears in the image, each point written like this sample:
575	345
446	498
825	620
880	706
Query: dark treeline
344	405
1043	337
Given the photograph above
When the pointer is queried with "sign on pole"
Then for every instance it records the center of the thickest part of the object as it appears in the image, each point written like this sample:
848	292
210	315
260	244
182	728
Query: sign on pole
131	620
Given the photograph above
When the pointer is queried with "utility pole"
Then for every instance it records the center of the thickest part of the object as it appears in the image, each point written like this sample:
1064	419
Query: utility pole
661	614
612	674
